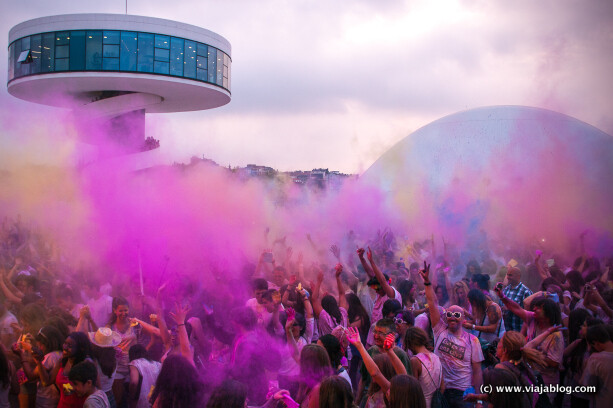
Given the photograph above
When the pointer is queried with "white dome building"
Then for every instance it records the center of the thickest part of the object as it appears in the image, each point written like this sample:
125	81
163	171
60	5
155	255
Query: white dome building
513	171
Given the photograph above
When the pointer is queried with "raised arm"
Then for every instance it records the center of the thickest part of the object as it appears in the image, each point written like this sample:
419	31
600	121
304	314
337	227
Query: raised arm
389	291
435	317
315	297
511	305
365	264
539	267
179	316
353	336
342	301
388	346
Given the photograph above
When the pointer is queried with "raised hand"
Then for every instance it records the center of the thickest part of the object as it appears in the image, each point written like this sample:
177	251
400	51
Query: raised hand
338	269
353	335
369	254
425	273
390	341
335	251
180	313
360	252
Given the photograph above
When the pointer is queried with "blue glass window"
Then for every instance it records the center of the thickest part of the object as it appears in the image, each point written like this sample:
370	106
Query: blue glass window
145	52
212	64
110	64
162	41
11	62
176	56
61	51
62	38
128	51
110	51
201	74
77	50
162	55
47	52
110	37
160	67
61	64
189	69
93	50
202	49
35	48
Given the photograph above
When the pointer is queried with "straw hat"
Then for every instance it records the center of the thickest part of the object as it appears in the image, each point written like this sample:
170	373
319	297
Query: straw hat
105	337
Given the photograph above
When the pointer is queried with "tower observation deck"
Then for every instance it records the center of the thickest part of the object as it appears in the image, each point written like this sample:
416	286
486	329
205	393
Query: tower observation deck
115	68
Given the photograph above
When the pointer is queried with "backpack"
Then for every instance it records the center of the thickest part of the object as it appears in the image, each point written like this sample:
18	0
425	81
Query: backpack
526	381
438	399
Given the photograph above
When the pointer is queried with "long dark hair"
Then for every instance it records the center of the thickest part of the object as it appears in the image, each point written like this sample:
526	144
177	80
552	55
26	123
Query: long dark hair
82	348
406	392
178	385
51	338
328	303
356	309
477	298
314	367
551	309
502	377
229	394
106	358
117	301
335	392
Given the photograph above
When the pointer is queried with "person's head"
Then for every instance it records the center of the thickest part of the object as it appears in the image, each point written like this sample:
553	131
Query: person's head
480	281
472	267
511	347
598	337
390	308
477	299
267	300
546	310
513	276
92	287
260	286
441	294
406	392
404	320
138	351
415	338
178	384
386	368
278	276
76	347
299	326
333	348
406	288
455	317
314	365
576	320
49	339
174	333
121	309
574	281
374	284
229	394
26	283
460	289
382	328
60	324
335	392
328	303
503	378
84	375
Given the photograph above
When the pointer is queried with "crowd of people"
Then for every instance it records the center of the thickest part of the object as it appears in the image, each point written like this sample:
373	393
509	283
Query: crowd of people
486	325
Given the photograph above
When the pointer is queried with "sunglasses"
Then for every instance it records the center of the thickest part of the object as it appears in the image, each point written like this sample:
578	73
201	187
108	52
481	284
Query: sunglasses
457	315
40	333
398	320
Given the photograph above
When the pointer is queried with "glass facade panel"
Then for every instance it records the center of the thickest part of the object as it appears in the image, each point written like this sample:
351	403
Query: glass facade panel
162	41
145	52
189	69
128	51
160	67
61	64
201	74
111	37
110	64
93	50
77	51
110	51
35	48
48	52
114	50
212	68
162	55
176	56
202	49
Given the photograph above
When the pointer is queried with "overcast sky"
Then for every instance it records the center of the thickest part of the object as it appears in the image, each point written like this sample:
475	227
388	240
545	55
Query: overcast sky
335	84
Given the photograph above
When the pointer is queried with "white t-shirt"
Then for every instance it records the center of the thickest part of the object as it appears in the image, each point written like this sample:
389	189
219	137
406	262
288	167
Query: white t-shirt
457	353
101	309
263	315
5	325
